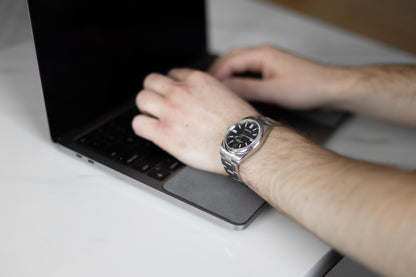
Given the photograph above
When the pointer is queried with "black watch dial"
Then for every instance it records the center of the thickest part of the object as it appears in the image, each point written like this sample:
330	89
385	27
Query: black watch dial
243	134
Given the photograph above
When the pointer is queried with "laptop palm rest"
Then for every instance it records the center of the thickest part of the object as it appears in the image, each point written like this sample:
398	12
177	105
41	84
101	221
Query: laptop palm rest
217	194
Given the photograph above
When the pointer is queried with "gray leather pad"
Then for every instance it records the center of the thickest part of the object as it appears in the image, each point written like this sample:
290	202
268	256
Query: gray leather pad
219	194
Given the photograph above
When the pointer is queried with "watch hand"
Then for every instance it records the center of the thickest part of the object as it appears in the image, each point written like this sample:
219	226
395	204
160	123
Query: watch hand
249	138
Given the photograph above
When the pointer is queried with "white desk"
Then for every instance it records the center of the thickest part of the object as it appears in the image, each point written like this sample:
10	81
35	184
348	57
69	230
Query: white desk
62	217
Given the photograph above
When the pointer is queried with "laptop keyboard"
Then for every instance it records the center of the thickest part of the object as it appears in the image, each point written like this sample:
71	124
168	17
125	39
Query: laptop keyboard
117	141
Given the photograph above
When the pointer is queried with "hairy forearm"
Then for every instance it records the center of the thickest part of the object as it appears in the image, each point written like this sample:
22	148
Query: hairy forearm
365	211
386	92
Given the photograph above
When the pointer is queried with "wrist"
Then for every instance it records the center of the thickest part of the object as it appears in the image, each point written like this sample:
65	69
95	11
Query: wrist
263	171
346	87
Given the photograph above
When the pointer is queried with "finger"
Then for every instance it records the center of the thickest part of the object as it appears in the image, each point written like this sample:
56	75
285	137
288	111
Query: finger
158	83
180	74
150	102
146	127
247	88
219	62
237	62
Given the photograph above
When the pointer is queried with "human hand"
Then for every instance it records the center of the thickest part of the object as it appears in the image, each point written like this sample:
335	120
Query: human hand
187	113
287	80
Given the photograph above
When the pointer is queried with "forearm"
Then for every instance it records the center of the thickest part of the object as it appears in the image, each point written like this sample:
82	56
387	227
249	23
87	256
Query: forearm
365	211
384	92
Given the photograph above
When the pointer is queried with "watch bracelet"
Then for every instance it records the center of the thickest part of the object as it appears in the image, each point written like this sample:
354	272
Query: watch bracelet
230	167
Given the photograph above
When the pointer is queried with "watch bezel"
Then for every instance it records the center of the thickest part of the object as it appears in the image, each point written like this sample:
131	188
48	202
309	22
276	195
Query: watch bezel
249	147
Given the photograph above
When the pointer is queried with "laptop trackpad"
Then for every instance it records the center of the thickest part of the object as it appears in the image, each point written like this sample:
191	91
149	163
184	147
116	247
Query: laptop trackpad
218	194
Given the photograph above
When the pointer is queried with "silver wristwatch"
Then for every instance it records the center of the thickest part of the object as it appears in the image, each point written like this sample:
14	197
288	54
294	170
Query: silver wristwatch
243	139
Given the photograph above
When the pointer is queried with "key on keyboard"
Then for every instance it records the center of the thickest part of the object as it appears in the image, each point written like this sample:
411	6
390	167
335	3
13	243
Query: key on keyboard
117	141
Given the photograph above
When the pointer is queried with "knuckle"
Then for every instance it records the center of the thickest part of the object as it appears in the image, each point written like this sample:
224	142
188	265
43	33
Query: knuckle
176	101
197	76
136	124
166	125
267	47
149	78
232	51
178	90
141	96
173	108
172	71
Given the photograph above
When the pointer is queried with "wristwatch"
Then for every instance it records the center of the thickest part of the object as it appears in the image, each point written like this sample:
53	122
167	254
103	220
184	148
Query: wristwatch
242	140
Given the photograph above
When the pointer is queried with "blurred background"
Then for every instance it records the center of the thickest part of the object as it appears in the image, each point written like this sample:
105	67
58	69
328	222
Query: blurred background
390	21
13	16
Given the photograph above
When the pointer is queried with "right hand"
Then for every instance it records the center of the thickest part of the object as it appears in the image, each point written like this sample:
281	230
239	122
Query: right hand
287	80
187	113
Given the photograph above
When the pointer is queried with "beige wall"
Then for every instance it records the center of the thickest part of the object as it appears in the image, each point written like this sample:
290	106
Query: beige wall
390	21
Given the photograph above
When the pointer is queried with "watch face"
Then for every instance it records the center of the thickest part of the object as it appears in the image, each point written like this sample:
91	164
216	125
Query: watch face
243	134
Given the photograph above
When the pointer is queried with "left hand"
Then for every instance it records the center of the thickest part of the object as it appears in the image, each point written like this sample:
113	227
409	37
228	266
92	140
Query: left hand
187	113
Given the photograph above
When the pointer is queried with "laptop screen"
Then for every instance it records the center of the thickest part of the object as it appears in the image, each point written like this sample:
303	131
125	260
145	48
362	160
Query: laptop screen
93	55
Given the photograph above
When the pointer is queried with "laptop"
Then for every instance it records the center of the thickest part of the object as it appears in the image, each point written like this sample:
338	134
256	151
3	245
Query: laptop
93	56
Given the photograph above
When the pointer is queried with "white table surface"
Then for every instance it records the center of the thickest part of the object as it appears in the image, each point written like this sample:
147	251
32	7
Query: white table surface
63	217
